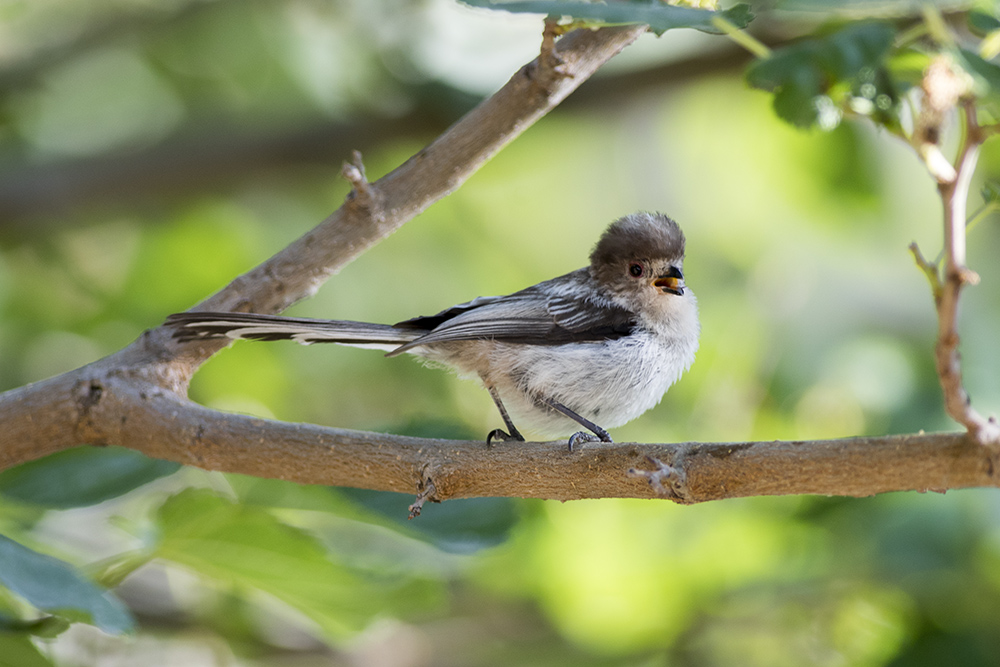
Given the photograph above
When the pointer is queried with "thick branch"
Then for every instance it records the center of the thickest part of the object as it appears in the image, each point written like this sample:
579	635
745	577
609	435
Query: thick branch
107	408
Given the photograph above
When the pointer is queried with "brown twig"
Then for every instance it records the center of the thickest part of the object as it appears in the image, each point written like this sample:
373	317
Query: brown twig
947	285
354	172
428	491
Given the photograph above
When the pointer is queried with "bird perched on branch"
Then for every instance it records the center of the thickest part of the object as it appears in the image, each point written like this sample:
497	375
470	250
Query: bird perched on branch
601	344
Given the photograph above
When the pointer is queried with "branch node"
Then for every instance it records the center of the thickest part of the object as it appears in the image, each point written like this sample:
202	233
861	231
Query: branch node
929	269
944	85
986	432
89	394
354	172
674	476
937	164
426	492
966	276
550	66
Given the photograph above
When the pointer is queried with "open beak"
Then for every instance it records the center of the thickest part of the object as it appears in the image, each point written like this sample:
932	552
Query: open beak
671	282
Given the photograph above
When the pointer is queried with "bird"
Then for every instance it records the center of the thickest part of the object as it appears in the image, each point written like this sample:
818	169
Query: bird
599	345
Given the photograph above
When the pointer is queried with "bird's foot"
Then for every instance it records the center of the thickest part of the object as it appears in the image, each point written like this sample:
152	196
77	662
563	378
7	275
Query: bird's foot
582	436
503	436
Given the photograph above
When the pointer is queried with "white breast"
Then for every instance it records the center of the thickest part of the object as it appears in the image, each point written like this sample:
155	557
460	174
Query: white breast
609	383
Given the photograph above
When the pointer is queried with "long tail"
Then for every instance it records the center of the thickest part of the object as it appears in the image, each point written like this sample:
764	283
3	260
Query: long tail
252	326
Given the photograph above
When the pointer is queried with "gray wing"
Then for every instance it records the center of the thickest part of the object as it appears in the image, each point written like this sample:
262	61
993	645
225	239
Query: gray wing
558	311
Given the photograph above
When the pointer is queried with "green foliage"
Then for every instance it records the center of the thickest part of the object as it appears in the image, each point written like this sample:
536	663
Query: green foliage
81	476
46	627
658	15
865	68
990	192
816	78
815	325
458	526
55	586
243	546
982	23
18	651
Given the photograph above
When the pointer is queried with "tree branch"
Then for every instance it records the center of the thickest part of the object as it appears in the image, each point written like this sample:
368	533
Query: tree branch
944	90
137	397
108	408
59	413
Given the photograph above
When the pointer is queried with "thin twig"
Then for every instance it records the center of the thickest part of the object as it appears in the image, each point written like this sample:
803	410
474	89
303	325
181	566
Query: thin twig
930	270
742	38
354	172
954	196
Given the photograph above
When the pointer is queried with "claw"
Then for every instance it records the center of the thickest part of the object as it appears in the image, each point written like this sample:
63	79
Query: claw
503	436
581	437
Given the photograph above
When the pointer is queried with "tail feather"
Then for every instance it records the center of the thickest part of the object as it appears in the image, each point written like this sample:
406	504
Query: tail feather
254	326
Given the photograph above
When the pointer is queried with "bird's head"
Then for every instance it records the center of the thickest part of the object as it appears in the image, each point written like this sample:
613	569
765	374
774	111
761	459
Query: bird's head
640	258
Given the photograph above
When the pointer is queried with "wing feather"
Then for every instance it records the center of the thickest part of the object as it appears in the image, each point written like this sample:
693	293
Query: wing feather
555	312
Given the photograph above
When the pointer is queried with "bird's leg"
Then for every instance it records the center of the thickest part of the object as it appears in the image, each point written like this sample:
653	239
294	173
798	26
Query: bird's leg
579	436
511	433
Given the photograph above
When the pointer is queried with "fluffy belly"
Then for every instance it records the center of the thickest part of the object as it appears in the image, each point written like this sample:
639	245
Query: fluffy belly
609	383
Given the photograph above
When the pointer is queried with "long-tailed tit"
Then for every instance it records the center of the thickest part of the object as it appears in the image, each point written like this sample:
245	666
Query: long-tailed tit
599	345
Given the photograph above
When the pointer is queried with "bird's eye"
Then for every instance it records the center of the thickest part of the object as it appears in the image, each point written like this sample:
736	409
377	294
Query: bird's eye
635	270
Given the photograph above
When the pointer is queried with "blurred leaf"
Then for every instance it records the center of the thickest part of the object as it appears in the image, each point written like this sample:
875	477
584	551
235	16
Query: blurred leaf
82	476
981	23
863	8
277	493
660	17
18	651
55	586
801	75
247	546
458	526
936	647
835	57
110	572
990	192
46	627
908	66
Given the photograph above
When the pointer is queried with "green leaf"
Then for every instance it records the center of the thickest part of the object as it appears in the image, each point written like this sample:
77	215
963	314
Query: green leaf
981	23
46	627
802	75
18	651
907	67
247	546
659	16
81	476
56	587
862	8
457	526
990	192
111	571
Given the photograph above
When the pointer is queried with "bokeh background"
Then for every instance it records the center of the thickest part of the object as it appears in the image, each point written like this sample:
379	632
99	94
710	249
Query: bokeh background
150	152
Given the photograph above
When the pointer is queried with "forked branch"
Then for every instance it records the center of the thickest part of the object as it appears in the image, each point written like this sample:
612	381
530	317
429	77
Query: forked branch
943	91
